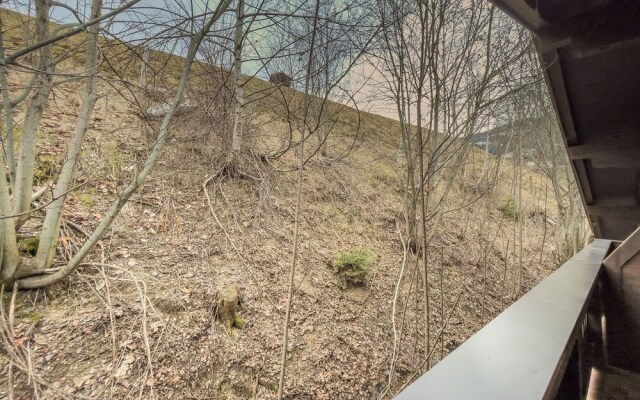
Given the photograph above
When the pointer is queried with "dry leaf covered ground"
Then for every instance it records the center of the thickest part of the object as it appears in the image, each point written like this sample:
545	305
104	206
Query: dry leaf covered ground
137	321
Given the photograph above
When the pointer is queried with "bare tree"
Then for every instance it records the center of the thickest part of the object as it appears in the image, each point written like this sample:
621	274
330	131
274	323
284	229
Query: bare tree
551	158
301	161
343	34
535	137
444	69
15	201
237	76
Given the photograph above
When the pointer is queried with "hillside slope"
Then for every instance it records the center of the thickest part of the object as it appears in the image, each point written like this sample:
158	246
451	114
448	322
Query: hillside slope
138	320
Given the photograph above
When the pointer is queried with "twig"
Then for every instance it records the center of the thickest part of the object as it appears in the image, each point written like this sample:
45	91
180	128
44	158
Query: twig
10	381
145	335
444	325
12	307
394	354
10	373
441	299
75	227
296	223
18	357
33	210
233	245
43	382
112	319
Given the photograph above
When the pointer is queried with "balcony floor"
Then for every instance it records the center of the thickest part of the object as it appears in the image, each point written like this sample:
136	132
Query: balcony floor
613	384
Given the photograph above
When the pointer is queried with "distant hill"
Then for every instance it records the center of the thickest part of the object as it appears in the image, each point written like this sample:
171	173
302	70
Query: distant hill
502	140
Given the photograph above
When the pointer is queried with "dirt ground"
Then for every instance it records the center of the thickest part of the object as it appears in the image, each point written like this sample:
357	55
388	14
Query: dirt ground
138	321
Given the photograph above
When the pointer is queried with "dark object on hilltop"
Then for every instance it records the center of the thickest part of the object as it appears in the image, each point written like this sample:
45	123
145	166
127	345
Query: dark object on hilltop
281	79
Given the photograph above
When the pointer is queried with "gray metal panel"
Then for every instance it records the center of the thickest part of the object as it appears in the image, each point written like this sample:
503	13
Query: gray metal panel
521	353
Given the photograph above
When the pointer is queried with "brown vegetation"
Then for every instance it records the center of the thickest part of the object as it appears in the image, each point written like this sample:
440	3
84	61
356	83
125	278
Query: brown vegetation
137	317
143	317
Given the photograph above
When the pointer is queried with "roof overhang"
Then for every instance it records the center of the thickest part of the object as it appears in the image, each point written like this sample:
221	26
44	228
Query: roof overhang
590	54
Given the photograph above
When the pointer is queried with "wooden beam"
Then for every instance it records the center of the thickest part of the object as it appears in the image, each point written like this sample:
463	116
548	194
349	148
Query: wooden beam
583	181
588	26
595	225
521	12
621	160
613	212
554	76
618	201
627	158
611	151
585	50
551	41
608	143
623	253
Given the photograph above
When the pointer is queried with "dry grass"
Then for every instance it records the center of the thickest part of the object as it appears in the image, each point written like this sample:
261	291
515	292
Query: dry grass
137	320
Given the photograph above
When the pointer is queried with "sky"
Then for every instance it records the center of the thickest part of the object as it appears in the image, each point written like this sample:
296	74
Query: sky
365	83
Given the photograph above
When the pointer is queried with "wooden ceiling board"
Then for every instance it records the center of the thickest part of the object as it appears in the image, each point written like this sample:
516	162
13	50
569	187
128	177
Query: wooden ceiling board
590	55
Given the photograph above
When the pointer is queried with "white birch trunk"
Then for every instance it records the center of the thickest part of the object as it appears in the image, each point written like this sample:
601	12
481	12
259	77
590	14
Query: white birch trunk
9	248
45	280
236	144
27	150
7	109
51	227
143	68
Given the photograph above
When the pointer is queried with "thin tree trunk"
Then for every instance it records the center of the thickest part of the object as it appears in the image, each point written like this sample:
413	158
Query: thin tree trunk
143	68
292	271
423	227
519	214
44	83
323	114
237	74
7	109
9	248
194	44
51	227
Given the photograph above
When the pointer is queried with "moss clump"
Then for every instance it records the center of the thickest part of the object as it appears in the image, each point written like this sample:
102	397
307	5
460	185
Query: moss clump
112	157
33	316
46	168
352	267
28	245
509	210
239	322
87	198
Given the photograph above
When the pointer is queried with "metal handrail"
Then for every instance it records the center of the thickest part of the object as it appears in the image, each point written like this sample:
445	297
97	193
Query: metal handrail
530	351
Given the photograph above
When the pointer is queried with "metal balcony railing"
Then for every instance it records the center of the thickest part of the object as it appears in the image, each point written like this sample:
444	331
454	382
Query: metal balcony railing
542	347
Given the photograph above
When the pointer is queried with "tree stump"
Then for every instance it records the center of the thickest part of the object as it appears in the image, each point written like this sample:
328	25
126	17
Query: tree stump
228	308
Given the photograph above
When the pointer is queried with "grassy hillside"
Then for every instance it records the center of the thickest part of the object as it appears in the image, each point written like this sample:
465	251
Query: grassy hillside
138	319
